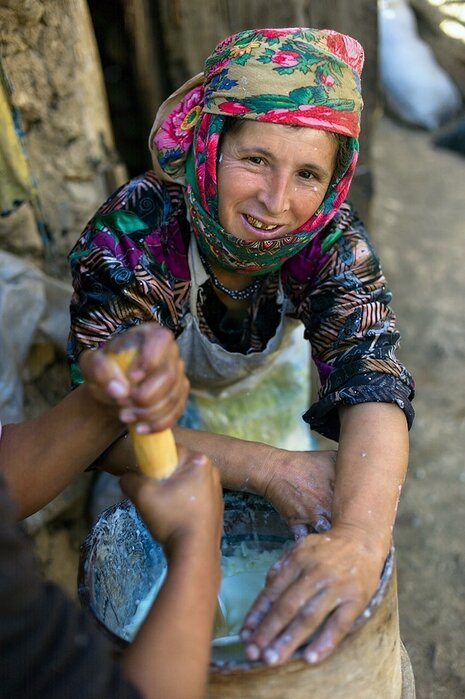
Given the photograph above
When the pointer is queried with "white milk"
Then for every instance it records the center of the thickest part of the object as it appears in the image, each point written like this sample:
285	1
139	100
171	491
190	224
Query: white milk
243	577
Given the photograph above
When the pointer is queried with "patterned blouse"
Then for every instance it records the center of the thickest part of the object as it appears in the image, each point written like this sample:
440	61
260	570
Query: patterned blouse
130	265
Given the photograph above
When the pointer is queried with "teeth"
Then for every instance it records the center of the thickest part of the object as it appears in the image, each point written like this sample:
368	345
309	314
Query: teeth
259	224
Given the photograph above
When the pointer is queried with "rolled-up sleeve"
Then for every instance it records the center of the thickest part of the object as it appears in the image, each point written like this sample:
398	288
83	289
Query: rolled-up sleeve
352	329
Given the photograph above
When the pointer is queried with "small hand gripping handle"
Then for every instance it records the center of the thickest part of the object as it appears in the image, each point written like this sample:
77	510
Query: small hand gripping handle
156	452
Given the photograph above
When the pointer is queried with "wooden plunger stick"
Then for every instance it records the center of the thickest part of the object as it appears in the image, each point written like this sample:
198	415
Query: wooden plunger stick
156	452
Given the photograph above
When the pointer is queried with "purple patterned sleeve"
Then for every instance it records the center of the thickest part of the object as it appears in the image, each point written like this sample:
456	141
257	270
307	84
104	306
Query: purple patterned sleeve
129	265
351	327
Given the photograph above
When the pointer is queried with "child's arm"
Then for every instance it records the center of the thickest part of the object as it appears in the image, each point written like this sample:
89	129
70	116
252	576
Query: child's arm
38	458
337	572
169	657
170	654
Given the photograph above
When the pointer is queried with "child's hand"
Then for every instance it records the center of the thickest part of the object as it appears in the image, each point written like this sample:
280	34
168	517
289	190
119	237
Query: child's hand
300	485
154	393
183	509
325	579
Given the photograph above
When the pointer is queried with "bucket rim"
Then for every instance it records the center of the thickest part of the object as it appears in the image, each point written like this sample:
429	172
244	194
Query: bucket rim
120	643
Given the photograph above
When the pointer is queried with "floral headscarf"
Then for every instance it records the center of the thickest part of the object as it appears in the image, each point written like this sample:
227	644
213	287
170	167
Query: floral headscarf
312	78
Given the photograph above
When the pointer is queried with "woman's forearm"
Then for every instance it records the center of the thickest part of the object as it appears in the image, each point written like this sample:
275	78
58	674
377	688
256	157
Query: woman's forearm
40	457
371	466
243	464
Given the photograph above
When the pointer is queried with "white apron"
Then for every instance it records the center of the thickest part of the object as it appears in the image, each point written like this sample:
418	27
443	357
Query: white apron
259	396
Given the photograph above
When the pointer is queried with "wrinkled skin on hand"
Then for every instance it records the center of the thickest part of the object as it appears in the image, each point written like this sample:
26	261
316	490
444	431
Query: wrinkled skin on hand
324	582
300	486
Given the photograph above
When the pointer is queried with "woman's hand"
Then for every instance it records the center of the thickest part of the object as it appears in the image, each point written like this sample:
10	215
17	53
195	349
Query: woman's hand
320	585
326	580
154	393
300	486
186	508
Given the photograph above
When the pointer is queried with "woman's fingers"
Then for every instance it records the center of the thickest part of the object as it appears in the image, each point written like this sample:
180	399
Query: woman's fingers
284	593
324	615
319	586
331	634
159	386
294	617
309	618
307	498
299	530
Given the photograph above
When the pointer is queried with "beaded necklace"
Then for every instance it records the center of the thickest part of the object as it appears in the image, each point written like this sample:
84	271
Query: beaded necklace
236	294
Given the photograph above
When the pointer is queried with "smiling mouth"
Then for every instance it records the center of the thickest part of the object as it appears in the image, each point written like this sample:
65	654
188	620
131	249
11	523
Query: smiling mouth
259	224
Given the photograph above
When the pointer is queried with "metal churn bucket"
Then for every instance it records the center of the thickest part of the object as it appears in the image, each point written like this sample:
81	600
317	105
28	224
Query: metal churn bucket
121	565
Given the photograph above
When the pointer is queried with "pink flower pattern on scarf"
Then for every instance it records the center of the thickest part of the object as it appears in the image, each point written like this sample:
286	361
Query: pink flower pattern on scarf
311	78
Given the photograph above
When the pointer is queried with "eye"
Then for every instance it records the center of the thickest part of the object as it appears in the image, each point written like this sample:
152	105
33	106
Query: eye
306	174
255	159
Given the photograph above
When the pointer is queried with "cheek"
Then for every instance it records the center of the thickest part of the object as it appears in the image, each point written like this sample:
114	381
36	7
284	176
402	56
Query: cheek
307	205
234	185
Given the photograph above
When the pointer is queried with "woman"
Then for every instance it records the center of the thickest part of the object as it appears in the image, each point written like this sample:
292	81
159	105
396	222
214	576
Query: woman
239	234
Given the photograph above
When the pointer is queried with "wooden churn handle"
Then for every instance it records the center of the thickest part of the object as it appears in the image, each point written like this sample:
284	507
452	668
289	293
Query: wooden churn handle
156	452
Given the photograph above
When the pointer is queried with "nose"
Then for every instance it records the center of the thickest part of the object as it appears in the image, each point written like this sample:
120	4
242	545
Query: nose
275	193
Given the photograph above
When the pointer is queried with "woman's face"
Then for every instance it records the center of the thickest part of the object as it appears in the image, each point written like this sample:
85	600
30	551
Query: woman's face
272	178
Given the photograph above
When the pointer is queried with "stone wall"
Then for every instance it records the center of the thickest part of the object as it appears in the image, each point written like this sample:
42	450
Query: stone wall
50	61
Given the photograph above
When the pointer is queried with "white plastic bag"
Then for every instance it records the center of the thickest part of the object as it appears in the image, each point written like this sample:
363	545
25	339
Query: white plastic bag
416	88
31	302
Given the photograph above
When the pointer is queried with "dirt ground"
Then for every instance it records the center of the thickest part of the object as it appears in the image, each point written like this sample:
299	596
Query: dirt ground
417	227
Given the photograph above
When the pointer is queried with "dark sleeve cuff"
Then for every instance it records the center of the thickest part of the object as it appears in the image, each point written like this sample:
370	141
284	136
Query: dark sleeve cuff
323	416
